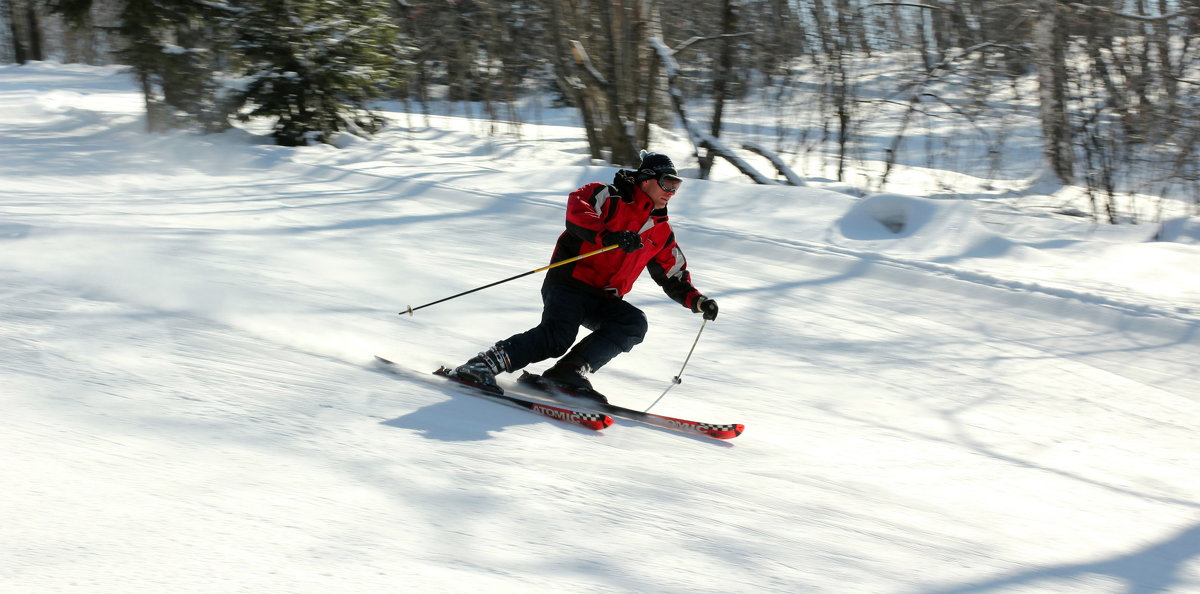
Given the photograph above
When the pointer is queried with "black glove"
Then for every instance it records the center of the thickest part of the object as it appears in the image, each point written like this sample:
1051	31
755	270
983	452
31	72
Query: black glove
706	306
628	240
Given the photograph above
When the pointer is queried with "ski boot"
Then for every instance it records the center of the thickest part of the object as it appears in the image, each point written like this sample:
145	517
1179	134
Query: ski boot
482	368
570	375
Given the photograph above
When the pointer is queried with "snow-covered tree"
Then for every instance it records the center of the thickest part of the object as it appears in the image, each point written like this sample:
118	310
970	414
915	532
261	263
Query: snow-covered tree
316	65
171	46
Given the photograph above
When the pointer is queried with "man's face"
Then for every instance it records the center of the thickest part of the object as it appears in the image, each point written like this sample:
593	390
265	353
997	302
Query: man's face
661	190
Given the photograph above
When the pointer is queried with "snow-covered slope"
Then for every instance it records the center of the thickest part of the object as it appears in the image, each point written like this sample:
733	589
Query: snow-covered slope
938	397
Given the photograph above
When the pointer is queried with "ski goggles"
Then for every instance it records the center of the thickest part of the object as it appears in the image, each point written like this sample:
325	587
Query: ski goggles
671	184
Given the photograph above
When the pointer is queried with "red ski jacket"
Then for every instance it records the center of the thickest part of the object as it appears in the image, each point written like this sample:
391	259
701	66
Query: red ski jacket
596	209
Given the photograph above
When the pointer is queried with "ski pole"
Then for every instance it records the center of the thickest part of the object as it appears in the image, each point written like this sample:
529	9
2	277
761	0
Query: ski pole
676	380
411	309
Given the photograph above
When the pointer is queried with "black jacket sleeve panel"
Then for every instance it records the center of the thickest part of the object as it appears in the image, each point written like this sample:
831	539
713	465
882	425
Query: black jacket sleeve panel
669	270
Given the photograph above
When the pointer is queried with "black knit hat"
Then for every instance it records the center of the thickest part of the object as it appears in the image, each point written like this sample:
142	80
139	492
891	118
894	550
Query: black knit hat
655	166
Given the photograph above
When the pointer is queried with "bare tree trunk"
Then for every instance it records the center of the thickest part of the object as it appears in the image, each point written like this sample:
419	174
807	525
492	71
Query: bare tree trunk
655	87
721	79
592	101
35	32
566	74
1162	42
834	48
19	52
619	126
1050	46
613	88
155	116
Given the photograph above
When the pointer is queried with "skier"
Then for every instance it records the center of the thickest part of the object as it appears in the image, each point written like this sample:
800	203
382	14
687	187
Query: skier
631	213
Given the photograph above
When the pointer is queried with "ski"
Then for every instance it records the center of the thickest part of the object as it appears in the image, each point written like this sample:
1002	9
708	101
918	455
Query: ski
588	419
716	431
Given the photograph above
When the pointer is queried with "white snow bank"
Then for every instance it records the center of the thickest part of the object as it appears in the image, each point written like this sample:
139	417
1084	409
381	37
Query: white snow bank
1180	230
895	222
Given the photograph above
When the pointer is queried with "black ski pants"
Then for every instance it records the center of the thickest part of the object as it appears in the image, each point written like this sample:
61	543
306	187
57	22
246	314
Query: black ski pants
616	327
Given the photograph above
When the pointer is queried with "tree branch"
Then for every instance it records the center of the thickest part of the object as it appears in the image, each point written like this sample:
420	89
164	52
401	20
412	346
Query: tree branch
1133	17
685	45
582	58
908	5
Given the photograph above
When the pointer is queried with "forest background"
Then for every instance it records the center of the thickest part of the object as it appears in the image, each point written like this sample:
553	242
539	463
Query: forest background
1112	83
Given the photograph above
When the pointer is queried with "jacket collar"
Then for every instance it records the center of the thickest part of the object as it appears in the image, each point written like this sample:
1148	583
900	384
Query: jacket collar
625	184
632	193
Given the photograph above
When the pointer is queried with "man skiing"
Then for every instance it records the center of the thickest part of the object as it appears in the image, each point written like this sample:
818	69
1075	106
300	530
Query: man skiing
631	213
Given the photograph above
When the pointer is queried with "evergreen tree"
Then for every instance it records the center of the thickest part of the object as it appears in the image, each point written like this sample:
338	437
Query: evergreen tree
170	48
315	65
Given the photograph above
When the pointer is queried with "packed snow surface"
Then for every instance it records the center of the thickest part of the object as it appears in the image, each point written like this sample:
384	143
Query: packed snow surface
940	396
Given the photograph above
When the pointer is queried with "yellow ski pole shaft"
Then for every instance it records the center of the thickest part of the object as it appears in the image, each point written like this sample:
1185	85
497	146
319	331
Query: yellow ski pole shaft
411	309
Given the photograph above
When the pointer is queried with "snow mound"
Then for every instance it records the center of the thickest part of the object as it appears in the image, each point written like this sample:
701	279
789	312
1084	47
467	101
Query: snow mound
14	230
1180	230
896	222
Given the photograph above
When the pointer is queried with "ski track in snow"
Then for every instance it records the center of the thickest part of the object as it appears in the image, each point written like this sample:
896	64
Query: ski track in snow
188	322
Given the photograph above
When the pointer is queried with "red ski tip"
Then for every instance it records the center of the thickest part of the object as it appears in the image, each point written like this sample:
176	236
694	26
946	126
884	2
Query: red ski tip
597	424
726	431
